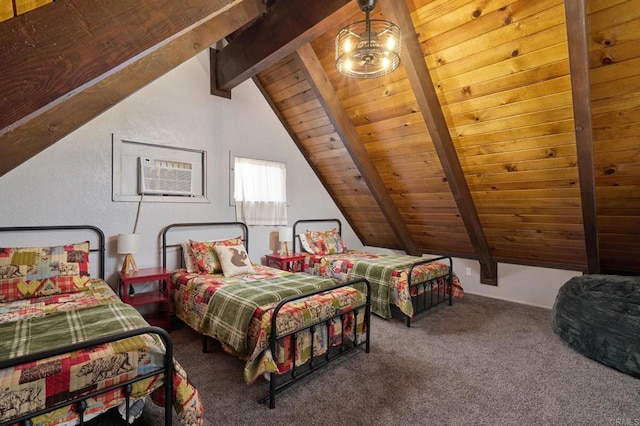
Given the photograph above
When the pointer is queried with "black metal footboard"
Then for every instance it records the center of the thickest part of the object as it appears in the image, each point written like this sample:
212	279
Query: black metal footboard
429	293
278	383
97	240
80	401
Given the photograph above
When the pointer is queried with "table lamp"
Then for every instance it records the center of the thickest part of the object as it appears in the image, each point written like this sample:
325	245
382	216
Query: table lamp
127	245
285	235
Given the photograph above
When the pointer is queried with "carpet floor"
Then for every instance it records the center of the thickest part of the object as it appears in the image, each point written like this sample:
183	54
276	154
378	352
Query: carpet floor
481	361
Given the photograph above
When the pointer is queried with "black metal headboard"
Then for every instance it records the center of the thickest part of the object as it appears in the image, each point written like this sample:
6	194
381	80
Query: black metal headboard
100	250
204	225
303	221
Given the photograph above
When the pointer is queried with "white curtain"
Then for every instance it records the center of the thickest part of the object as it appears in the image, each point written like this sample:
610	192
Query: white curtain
260	191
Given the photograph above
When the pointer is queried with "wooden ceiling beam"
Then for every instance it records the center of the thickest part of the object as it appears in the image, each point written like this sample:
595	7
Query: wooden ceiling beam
420	79
320	84
43	64
578	38
284	28
84	80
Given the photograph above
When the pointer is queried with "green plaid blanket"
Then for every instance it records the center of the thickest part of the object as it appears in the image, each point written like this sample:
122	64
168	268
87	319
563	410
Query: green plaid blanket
59	329
231	307
378	273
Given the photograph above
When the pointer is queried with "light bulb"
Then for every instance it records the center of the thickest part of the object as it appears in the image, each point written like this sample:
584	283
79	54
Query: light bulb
391	43
385	62
347	45
348	64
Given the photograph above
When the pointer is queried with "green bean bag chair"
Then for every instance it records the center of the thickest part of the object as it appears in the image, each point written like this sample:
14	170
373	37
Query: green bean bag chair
599	316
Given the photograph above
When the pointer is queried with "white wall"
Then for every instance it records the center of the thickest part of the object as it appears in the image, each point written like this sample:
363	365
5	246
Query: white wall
523	284
70	182
529	285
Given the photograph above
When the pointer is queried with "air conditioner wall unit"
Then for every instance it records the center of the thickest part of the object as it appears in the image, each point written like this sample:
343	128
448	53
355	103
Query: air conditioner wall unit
164	177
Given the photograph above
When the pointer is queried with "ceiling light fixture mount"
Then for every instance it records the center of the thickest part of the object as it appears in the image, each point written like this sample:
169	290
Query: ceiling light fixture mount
369	48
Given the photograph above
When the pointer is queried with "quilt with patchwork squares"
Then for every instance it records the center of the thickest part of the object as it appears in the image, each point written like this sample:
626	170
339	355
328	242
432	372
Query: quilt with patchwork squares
237	312
388	275
39	323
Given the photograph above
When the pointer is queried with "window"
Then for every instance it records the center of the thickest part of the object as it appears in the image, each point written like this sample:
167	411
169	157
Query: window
260	191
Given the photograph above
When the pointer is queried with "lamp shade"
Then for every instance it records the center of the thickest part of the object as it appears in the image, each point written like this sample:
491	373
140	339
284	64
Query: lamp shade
128	243
285	234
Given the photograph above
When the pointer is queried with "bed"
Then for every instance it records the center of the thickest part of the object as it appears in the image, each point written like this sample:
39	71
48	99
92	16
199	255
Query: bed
69	348
285	325
404	284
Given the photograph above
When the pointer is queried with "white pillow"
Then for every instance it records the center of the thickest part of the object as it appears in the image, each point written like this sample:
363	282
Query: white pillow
234	260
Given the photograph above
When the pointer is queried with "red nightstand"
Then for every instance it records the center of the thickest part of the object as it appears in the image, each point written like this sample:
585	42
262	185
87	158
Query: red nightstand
294	262
162	296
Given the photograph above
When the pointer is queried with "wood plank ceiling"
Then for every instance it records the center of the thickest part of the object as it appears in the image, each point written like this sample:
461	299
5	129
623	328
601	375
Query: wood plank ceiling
510	133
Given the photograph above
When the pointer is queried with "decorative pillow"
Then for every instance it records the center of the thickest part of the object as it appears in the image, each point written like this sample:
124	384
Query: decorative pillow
189	259
205	256
325	242
234	260
41	271
304	242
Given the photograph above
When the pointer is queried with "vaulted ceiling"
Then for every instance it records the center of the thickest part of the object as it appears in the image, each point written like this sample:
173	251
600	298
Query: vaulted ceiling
510	133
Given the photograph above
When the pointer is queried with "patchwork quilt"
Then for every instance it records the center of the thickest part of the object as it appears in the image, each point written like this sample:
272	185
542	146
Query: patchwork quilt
191	291
336	266
36	324
350	326
387	274
237	312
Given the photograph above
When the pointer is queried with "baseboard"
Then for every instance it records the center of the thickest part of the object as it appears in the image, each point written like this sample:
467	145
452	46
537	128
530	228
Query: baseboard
521	302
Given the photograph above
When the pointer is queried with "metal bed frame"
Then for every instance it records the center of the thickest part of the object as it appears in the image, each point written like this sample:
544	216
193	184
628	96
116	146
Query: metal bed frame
245	238
332	353
80	401
442	294
243	227
417	290
278	383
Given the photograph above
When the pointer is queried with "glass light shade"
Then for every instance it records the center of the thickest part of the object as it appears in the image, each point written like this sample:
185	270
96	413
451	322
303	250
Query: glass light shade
368	49
128	243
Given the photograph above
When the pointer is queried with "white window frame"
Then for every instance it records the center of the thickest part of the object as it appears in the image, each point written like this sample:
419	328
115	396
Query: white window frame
269	210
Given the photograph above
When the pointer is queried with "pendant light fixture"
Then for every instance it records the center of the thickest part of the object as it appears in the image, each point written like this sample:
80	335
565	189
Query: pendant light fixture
369	48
